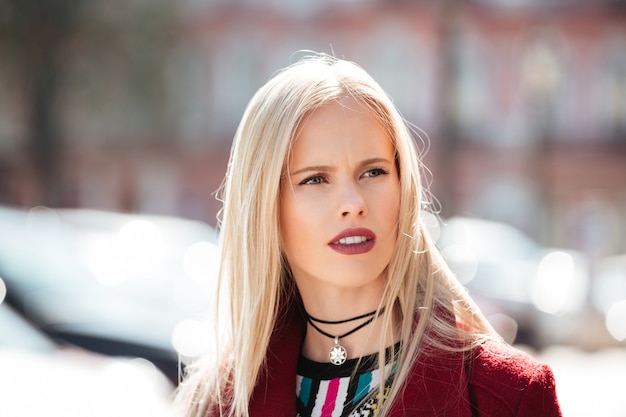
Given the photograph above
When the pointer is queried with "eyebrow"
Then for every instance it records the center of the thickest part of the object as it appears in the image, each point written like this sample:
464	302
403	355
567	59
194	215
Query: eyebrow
327	168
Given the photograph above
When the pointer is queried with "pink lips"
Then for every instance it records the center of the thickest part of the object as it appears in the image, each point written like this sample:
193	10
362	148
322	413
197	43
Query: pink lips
353	241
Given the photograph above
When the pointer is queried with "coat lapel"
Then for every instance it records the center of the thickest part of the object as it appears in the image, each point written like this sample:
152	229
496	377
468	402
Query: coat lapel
275	392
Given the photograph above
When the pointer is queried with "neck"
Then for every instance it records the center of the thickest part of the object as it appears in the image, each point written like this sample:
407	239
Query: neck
356	336
332	303
338	353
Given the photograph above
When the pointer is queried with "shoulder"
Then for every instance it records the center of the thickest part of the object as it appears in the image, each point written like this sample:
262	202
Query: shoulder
506	381
506	364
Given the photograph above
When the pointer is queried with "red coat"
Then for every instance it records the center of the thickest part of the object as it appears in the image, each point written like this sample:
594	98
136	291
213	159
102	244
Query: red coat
501	381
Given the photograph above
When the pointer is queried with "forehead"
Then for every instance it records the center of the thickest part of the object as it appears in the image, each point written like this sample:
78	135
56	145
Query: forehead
340	121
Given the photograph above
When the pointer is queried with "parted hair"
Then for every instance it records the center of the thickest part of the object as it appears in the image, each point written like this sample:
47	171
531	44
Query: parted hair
254	282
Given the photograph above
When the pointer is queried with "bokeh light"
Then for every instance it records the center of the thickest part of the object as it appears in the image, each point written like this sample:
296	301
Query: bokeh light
42	221
431	223
554	277
462	260
201	261
134	253
616	320
3	291
505	325
191	338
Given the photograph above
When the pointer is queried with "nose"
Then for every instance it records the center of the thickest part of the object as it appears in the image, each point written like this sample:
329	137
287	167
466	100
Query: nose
352	201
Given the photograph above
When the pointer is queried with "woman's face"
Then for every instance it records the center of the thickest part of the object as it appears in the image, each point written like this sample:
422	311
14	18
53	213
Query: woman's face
339	200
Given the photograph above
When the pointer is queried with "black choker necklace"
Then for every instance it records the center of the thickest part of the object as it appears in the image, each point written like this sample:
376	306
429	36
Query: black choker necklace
338	354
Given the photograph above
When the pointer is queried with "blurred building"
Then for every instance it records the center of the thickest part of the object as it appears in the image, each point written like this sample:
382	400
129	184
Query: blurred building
521	104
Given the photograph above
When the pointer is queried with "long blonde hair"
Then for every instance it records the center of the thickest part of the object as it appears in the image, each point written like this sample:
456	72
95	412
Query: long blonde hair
254	273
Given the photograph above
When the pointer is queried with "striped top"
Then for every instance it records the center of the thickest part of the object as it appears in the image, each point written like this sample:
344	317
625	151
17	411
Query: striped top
326	390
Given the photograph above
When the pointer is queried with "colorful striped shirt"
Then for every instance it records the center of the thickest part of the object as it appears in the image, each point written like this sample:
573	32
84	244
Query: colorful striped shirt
326	390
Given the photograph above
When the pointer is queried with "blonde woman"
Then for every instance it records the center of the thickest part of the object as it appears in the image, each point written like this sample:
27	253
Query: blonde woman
339	303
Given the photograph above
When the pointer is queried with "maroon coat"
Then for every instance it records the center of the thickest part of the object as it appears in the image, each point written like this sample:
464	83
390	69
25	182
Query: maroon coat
501	381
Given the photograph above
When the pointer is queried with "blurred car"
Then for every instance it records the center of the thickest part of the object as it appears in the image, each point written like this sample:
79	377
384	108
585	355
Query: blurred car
38	377
531	294
608	294
119	284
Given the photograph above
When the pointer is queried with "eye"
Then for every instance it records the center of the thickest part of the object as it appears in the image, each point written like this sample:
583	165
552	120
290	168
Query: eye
375	172
313	180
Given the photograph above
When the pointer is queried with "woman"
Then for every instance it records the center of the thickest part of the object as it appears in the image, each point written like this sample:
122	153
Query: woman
338	301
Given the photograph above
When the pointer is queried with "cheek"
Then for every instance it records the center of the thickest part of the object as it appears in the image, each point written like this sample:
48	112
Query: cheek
392	203
301	229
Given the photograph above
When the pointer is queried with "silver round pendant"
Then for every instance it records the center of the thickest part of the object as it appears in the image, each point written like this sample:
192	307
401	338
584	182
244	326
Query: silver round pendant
338	354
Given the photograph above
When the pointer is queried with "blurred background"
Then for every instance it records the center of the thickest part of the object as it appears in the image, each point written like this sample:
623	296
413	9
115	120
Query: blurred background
116	120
